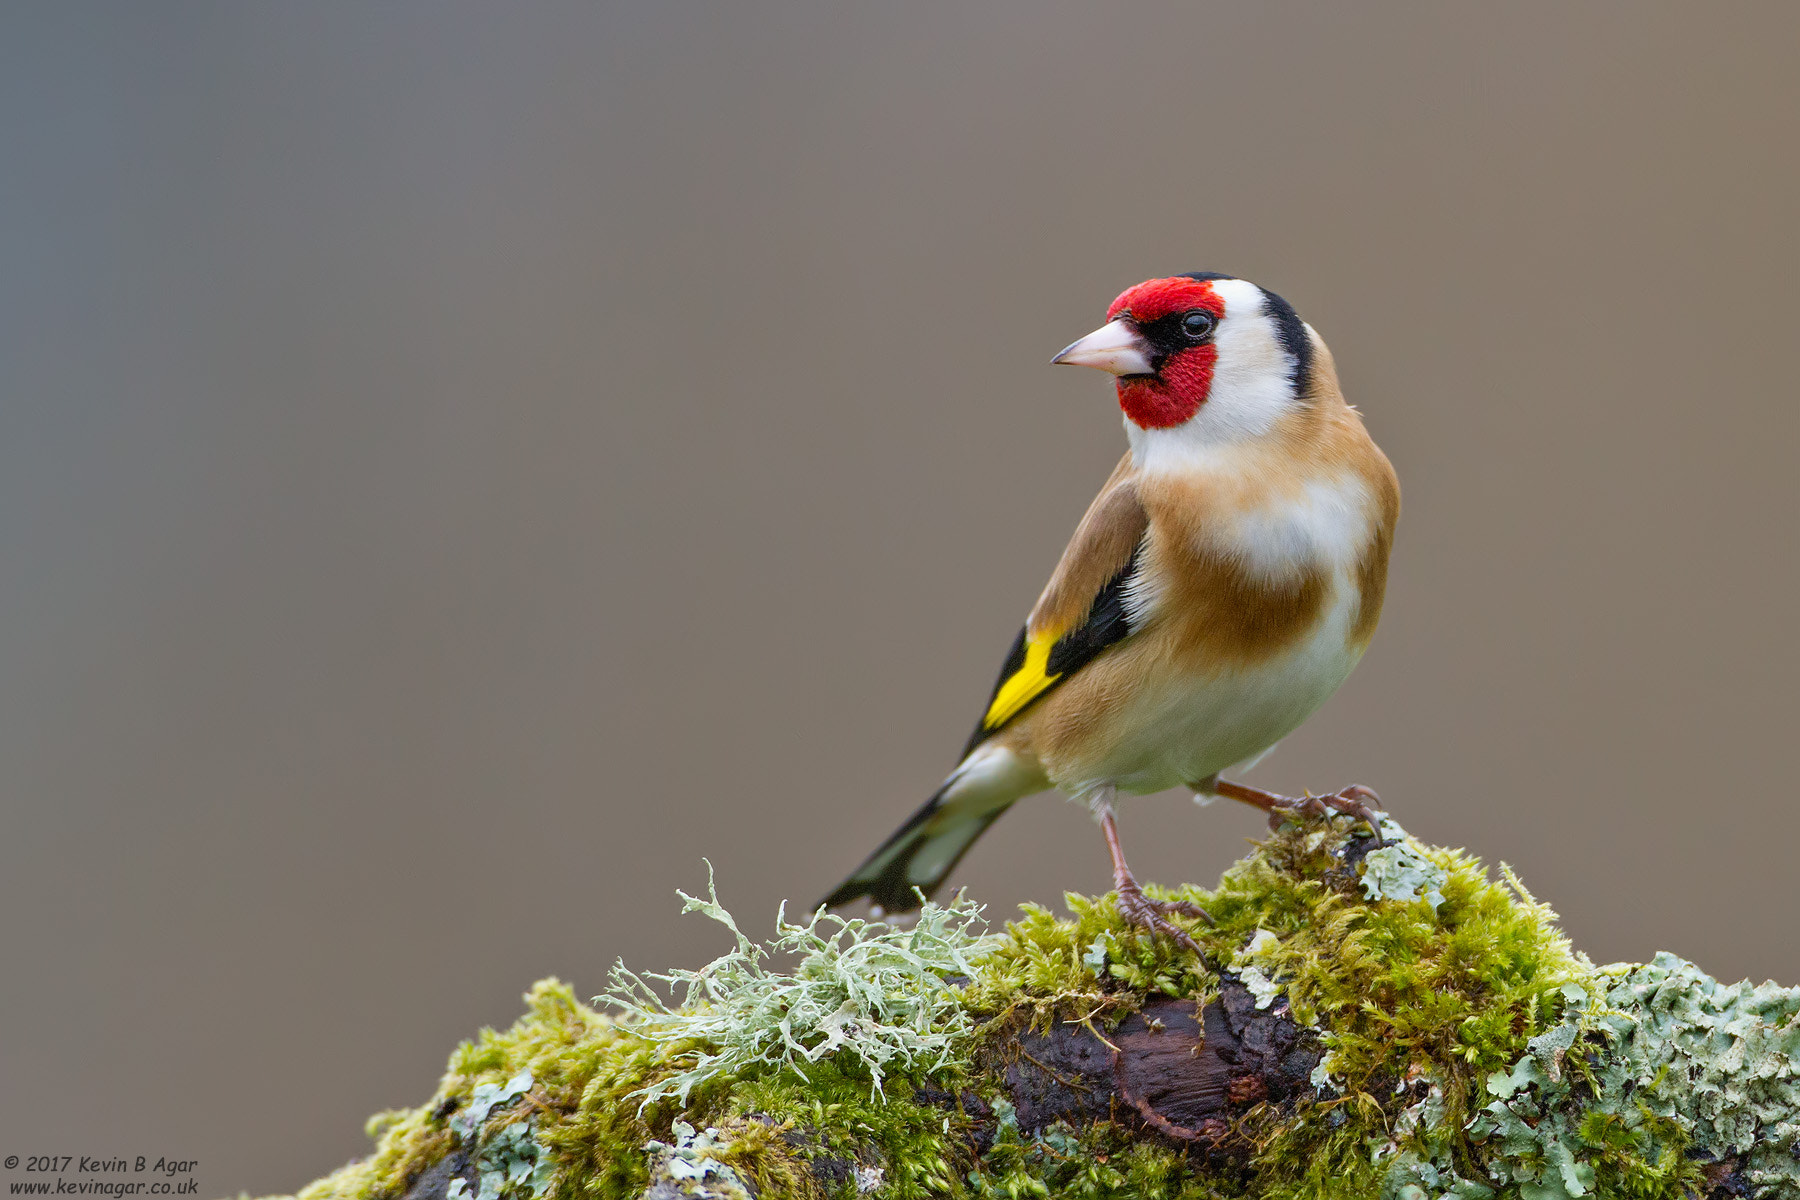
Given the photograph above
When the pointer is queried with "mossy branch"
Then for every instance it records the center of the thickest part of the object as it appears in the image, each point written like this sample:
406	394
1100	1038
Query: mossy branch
1363	1020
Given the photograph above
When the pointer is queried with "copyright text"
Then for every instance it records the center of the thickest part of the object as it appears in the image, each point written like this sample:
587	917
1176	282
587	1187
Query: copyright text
100	1175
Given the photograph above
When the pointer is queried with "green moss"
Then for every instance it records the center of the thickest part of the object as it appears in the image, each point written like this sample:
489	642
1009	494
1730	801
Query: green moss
1469	1052
1440	980
1414	997
914	1148
1043	968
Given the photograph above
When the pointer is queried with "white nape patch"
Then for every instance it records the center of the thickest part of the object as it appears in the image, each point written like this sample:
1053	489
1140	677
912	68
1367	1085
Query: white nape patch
1328	524
1252	386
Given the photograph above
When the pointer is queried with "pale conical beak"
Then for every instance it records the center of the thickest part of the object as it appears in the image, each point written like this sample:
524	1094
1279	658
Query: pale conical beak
1116	347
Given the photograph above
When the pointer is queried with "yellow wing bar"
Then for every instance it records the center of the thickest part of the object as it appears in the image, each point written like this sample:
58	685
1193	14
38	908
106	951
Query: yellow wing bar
1024	685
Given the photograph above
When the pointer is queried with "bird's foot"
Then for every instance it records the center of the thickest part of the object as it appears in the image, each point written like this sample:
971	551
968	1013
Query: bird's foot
1355	801
1137	908
1153	915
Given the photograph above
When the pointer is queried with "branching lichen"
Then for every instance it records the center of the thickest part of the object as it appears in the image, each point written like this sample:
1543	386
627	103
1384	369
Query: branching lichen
874	991
1456	1047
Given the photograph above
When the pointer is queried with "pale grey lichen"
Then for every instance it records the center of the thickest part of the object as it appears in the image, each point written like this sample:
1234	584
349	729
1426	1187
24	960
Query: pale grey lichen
873	991
690	1167
1094	958
1659	1072
1051	1162
509	1162
484	1100
1257	953
1400	870
1324	1076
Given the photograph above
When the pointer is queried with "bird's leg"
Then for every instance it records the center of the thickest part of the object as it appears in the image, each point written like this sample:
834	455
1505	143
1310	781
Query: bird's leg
1137	908
1354	801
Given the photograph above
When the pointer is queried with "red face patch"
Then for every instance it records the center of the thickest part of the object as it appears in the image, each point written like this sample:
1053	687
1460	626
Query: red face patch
1183	380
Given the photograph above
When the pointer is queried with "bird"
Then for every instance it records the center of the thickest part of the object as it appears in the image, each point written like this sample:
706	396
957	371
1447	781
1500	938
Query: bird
1221	586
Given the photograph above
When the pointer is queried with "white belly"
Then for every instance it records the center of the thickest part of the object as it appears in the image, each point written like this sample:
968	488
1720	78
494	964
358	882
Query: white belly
1179	729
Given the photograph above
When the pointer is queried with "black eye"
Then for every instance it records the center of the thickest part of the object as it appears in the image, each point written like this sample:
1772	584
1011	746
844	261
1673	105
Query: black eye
1197	324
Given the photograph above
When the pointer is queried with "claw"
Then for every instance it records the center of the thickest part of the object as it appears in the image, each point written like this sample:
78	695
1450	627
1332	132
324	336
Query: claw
1354	801
1358	801
1153	915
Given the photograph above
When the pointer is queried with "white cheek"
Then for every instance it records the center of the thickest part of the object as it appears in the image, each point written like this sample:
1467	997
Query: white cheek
1252	380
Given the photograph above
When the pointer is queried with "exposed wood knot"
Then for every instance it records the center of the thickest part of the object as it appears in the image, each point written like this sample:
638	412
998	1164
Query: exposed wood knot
1187	1073
1190	1075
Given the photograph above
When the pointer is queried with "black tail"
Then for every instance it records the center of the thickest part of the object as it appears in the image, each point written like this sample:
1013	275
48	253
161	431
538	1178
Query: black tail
922	852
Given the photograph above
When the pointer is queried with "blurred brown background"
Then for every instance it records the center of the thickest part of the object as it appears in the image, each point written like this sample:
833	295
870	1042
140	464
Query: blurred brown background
460	465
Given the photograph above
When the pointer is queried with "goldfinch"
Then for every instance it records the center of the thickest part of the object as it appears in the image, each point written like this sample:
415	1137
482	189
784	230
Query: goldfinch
1221	586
